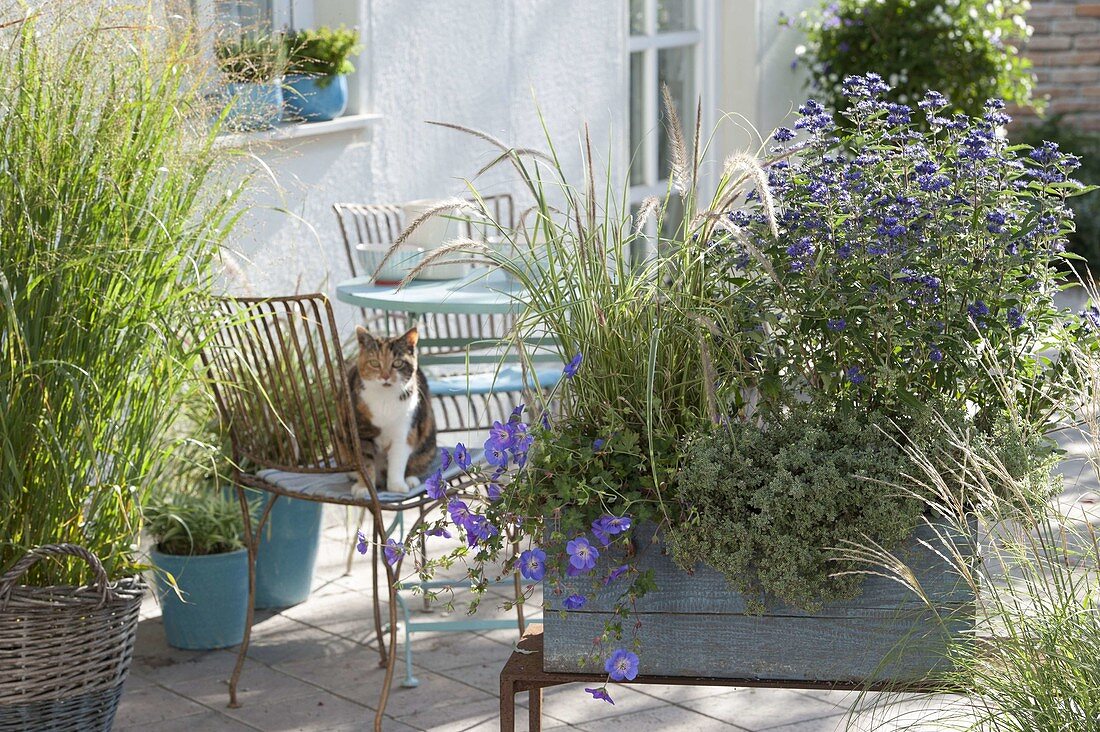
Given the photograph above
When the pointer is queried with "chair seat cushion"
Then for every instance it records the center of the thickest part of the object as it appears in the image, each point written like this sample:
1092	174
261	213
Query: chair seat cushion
336	487
506	379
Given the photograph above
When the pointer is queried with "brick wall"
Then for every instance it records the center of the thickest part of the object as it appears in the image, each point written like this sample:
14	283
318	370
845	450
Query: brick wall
1065	49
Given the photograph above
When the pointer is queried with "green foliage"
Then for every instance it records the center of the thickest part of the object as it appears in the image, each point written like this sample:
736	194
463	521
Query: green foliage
195	524
109	229
252	58
572	476
767	506
966	49
1084	240
322	52
911	264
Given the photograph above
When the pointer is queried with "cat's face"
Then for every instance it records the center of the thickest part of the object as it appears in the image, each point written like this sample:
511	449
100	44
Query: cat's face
389	361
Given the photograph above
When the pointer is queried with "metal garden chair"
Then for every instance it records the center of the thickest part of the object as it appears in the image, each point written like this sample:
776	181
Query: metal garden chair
277	372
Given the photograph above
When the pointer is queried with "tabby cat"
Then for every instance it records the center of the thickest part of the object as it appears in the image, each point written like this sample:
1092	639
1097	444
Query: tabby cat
393	410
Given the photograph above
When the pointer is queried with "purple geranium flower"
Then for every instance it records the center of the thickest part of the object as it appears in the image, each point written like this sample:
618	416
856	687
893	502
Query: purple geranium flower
517	413
459	511
574	602
393	551
462	456
444	458
616	573
570	369
532	564
478	529
622	665
500	434
434	486
361	543
612	524
598	443
439	531
600	693
496	454
582	555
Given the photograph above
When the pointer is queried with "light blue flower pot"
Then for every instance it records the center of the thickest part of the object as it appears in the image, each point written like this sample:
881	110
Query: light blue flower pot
311	99
287	552
215	590
253	106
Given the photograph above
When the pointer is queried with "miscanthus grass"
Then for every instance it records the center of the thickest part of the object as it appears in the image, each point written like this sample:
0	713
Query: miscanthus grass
110	224
1032	664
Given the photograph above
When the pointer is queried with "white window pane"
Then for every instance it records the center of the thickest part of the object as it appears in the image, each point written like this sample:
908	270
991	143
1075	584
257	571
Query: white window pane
675	15
637	17
243	15
676	68
637	118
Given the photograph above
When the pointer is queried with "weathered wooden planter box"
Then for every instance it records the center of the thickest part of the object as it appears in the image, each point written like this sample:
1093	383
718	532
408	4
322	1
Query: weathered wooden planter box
697	625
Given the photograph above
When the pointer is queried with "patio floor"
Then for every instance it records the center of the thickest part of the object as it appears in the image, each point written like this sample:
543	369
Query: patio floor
311	667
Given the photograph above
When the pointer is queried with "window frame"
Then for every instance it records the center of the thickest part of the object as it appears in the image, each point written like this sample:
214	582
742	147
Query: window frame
701	39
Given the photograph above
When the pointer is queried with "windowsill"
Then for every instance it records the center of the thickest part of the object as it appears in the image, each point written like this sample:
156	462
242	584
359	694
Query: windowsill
299	130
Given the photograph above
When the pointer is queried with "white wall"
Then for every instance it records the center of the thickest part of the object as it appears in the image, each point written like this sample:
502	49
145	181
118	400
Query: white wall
782	89
480	63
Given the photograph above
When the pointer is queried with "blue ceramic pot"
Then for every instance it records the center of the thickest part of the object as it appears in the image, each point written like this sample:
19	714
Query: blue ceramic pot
254	106
287	552
315	98
215	590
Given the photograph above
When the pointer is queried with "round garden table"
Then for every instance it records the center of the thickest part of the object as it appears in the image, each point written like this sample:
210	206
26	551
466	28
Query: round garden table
483	291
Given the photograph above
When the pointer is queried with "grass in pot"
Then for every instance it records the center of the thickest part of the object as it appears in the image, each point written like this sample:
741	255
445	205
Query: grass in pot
252	66
202	568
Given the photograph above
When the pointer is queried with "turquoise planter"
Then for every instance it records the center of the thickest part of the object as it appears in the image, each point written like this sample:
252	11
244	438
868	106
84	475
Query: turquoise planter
253	106
215	590
311	99
287	552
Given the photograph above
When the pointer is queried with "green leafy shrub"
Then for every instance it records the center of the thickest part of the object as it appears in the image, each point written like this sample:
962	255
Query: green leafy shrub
322	52
252	59
1085	239
966	49
195	524
767	505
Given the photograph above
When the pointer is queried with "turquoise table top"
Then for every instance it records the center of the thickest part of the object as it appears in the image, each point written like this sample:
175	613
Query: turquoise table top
481	291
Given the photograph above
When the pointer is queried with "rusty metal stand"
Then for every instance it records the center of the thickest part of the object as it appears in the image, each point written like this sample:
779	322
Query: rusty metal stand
524	672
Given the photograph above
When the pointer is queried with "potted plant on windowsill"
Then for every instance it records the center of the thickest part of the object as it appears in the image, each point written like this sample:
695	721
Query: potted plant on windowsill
747	402
252	66
316	85
202	577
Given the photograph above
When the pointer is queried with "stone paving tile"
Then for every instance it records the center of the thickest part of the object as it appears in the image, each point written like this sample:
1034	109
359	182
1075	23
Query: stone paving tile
258	685
661	718
317	712
151	706
572	705
758	709
205	722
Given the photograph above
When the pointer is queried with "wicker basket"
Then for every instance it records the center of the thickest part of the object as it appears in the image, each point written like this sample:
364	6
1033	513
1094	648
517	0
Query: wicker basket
64	651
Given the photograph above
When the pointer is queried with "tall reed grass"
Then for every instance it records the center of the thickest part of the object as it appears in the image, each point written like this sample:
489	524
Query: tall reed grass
112	210
653	331
1033	662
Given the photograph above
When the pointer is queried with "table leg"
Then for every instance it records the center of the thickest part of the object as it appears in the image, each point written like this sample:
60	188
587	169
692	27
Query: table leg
534	710
507	705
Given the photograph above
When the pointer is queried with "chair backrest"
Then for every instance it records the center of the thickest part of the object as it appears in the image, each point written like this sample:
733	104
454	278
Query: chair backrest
382	223
278	377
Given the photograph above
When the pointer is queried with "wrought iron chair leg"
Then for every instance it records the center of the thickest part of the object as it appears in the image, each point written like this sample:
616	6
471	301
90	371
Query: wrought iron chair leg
378	632
252	545
351	549
391	664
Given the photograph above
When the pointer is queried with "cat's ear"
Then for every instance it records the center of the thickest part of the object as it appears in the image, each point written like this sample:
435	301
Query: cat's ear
366	340
412	335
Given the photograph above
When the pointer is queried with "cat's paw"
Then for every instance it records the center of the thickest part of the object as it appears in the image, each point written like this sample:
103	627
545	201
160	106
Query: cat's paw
412	482
359	489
